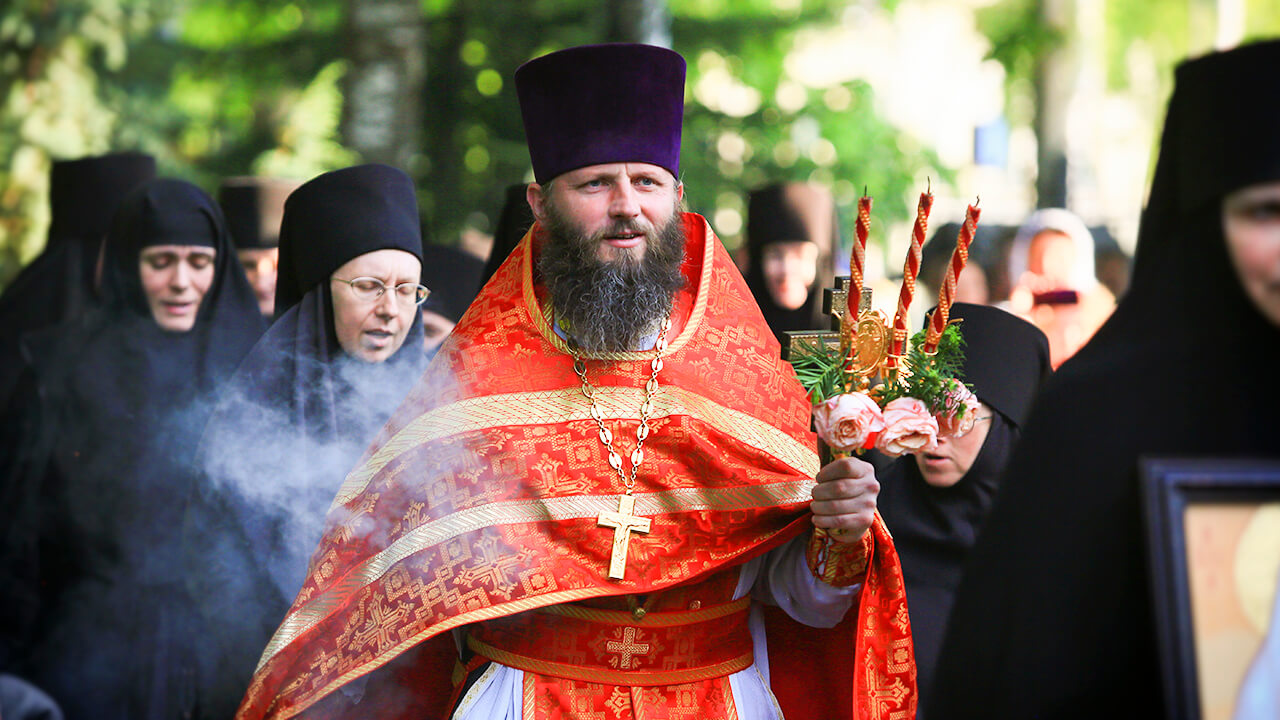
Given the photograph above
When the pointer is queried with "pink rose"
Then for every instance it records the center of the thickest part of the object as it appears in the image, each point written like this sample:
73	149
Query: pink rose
960	401
844	422
909	428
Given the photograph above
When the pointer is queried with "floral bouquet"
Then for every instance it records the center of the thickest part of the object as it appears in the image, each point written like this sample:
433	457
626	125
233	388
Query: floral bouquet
904	413
868	389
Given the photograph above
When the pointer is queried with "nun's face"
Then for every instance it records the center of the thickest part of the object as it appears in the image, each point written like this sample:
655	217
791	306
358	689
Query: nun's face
790	269
1251	222
175	279
953	457
435	328
373	330
260	269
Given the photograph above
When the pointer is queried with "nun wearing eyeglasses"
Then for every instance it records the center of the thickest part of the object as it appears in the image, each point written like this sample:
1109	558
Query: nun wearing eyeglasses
934	502
345	347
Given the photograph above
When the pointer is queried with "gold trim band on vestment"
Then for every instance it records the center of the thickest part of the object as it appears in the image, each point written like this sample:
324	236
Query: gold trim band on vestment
570	507
626	678
673	618
566	405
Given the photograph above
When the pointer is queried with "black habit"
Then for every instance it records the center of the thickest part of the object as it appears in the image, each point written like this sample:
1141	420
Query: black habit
1053	617
1006	360
105	423
295	419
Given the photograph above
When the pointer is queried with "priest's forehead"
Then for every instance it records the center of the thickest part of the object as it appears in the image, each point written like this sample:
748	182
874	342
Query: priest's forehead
636	171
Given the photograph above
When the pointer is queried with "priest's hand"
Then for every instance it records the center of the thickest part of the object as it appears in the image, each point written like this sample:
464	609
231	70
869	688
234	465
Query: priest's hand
844	500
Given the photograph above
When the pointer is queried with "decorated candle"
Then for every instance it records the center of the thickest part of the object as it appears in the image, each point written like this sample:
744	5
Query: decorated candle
947	294
858	259
901	322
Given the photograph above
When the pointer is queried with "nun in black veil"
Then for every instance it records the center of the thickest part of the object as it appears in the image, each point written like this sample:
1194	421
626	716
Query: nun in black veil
59	284
105	424
1053	617
792	233
345	348
934	502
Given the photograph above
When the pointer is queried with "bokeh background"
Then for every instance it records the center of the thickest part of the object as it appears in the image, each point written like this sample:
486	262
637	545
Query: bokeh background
1026	103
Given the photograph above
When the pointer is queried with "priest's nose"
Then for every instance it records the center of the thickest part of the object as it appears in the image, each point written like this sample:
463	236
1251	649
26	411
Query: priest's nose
624	202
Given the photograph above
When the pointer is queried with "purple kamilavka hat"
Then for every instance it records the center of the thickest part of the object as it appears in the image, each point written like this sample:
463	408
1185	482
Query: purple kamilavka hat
601	104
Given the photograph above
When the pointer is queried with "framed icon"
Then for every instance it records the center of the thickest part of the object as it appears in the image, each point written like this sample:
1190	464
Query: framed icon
1213	531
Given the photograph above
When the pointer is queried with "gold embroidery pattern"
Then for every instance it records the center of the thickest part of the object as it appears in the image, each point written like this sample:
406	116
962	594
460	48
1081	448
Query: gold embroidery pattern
624	676
560	406
653	619
517	512
838	564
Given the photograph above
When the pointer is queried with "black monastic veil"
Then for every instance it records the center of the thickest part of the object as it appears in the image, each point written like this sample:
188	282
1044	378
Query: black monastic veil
58	284
1053	616
106	422
294	420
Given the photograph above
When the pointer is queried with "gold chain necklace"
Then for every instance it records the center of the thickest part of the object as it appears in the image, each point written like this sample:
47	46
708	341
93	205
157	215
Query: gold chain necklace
624	521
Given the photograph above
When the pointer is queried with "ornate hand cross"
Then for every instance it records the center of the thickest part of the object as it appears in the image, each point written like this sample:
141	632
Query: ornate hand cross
869	333
624	522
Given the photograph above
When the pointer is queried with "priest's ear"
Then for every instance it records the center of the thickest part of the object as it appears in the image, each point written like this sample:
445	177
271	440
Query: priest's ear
536	195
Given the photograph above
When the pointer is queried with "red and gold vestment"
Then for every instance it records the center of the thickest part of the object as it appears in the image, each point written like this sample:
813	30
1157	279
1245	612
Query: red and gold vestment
479	501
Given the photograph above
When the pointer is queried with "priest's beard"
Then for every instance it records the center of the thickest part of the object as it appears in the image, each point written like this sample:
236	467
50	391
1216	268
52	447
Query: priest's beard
610	306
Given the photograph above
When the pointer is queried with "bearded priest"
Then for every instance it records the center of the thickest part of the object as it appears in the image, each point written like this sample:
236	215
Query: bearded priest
603	478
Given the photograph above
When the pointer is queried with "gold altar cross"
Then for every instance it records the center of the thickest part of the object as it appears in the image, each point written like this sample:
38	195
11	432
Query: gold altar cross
624	522
870	335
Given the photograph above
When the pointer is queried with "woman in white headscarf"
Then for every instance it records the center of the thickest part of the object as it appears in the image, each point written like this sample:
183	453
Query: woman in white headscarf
1054	285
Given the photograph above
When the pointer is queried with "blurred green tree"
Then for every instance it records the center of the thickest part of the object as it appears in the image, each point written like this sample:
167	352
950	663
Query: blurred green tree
738	134
54	59
227	87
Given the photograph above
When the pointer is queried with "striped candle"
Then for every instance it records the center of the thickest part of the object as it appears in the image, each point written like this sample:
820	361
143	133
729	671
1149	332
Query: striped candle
901	322
947	294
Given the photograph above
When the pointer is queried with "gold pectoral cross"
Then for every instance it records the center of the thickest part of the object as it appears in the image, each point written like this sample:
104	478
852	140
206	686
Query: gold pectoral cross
624	522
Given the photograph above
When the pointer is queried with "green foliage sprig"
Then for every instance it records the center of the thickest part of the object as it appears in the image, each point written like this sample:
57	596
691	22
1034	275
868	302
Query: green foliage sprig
924	377
818	366
927	377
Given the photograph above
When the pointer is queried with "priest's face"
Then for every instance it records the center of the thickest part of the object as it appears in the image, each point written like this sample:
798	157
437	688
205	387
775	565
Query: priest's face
175	279
947	464
373	330
1251	223
611	262
620	205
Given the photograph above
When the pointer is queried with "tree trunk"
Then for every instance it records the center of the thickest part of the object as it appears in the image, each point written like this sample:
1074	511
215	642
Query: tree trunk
1055	82
639	21
382	115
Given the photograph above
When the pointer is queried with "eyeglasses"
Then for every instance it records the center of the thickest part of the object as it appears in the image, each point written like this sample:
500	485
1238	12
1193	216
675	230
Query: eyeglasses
370	289
971	427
